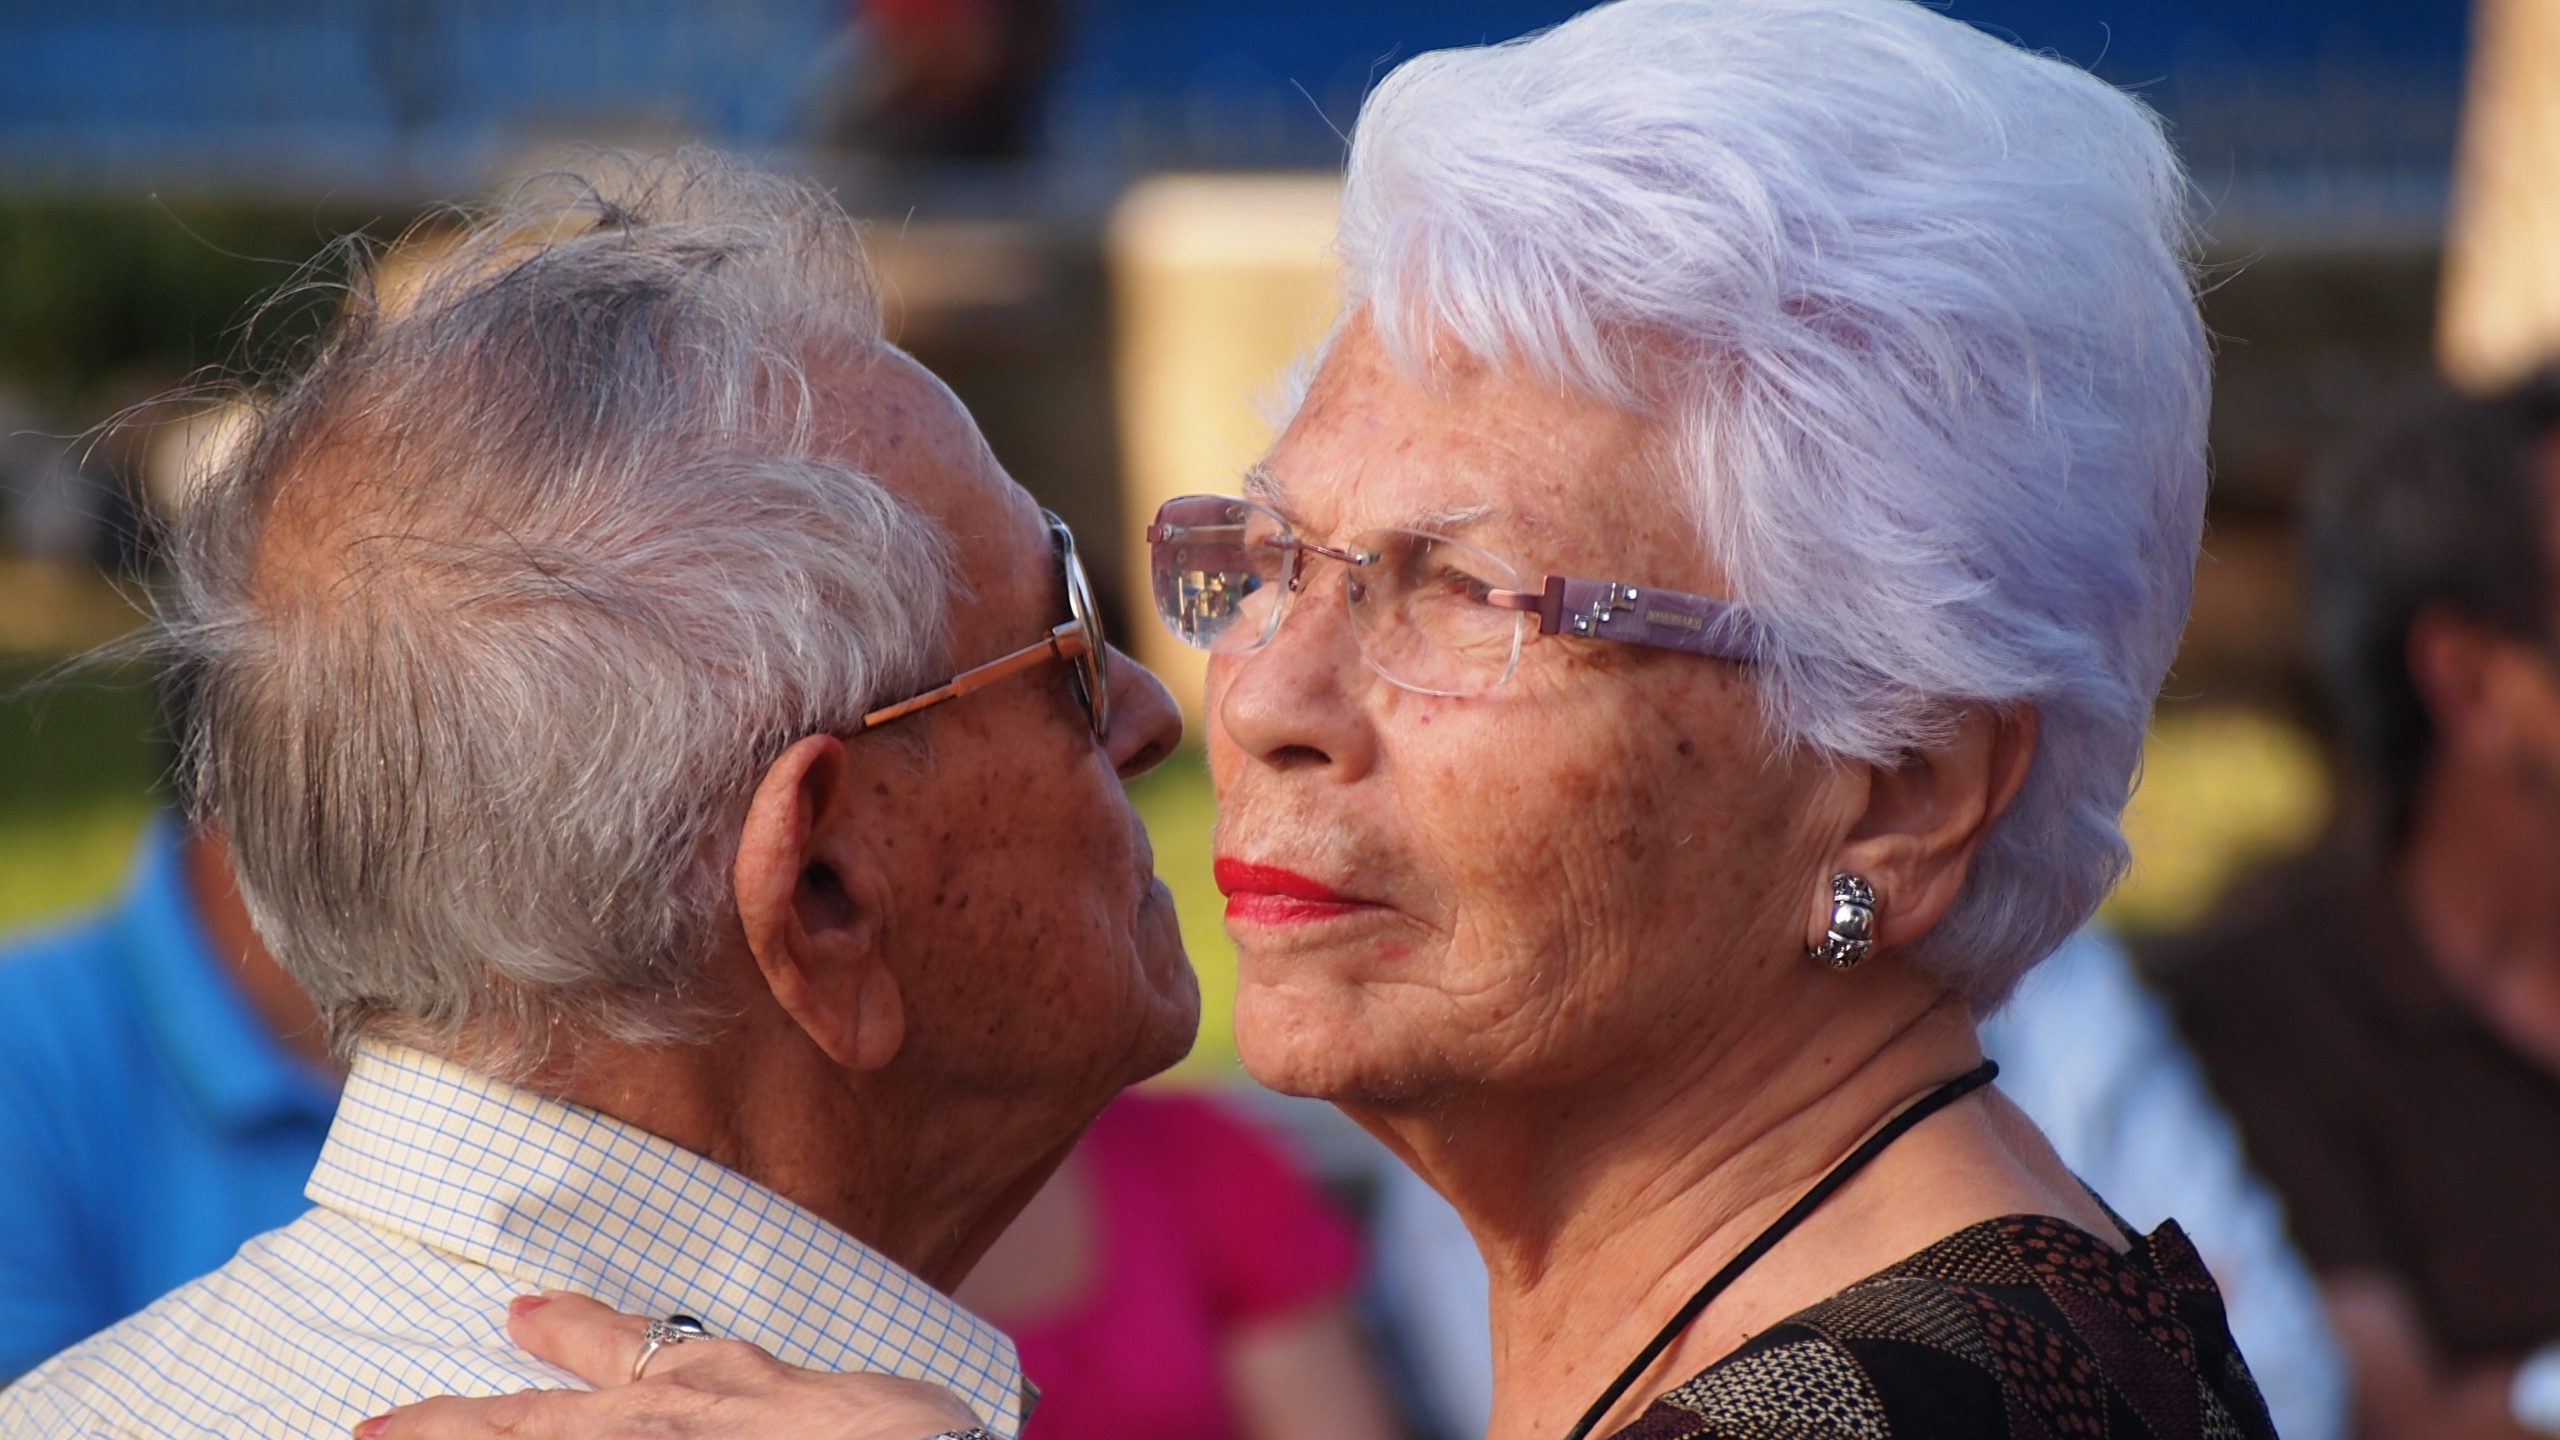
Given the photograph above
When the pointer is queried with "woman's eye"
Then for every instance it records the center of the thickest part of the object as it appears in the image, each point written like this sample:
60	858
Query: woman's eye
1458	584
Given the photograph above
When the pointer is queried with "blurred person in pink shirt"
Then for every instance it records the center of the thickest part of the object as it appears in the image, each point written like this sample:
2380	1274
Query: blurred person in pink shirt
1179	1279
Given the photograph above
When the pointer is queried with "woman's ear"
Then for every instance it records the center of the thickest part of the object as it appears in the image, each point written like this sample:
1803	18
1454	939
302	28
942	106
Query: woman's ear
1927	816
812	901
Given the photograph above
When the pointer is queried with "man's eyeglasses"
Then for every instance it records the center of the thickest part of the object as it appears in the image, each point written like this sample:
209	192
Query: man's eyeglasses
1432	614
1079	643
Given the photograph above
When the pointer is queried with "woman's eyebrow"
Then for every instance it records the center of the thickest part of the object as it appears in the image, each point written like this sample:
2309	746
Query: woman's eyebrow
1263	486
1453	519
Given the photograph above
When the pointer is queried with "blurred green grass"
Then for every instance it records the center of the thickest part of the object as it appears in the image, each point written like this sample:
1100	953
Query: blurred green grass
78	772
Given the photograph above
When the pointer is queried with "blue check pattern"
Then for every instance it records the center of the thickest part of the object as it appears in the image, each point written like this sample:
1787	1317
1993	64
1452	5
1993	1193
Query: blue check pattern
441	1195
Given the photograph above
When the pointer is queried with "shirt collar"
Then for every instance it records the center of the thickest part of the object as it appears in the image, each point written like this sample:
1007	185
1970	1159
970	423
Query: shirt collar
557	1197
236	1073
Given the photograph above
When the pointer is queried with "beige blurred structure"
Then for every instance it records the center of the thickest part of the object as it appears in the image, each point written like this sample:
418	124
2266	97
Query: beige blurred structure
2501	311
1220	282
188	448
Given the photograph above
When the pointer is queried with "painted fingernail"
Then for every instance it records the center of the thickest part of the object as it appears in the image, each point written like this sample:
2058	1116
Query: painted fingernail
373	1427
524	1305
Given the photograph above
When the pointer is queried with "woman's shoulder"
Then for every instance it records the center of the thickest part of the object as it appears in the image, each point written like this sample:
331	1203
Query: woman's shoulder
2022	1325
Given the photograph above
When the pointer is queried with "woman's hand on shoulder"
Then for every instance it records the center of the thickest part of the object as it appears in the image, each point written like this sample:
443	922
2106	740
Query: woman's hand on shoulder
698	1390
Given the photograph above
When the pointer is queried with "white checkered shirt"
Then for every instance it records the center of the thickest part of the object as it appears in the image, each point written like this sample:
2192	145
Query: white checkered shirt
440	1196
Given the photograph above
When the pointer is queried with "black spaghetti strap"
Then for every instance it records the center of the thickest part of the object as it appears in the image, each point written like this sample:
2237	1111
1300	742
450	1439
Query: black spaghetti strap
1894	1129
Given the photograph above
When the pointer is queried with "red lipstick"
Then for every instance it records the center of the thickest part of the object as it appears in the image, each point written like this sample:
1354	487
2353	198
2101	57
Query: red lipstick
1269	895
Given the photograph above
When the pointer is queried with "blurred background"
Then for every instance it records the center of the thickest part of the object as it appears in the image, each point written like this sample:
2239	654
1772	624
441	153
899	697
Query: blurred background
1104	222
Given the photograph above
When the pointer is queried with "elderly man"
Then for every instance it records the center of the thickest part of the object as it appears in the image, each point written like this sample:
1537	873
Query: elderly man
543	629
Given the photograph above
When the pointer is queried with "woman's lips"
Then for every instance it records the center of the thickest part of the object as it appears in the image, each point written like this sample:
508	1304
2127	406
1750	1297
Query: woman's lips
1269	895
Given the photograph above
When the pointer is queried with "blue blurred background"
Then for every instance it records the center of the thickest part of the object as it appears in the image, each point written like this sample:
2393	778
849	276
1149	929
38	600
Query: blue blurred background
2350	103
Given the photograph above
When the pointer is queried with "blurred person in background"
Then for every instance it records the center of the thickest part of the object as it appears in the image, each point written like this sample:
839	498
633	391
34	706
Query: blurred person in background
48	508
1682	663
944	79
156	1038
2382	1018
686	774
1179	1279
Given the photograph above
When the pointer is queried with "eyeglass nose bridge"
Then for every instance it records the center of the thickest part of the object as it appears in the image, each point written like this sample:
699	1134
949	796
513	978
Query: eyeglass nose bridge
1355	596
1354	559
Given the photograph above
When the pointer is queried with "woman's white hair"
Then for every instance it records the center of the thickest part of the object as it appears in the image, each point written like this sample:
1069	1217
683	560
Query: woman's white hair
512	592
1917	305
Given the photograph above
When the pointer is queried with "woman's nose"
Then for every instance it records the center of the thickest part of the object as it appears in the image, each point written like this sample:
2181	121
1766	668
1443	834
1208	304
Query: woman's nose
1293	702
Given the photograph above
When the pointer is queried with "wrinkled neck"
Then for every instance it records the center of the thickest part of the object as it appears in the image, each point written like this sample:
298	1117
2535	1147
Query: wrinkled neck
1599	1209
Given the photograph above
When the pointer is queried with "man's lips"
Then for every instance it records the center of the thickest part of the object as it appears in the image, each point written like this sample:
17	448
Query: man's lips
1269	895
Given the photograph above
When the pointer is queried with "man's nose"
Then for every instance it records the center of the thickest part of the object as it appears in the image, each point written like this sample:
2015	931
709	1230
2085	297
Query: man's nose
1146	725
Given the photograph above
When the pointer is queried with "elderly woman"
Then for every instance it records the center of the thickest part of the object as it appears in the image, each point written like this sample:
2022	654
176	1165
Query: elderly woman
1683	661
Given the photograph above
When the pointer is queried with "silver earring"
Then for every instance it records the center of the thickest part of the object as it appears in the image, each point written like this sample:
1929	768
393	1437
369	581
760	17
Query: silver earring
1853	924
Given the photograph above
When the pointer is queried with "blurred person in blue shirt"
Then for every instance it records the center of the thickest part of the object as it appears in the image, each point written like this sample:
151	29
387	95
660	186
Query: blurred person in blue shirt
163	1094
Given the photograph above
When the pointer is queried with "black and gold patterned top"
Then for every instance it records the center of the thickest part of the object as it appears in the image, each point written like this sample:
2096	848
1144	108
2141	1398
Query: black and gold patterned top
2026	1326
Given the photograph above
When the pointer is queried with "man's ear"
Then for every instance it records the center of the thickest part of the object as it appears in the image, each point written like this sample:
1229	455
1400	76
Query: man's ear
812	901
1926	817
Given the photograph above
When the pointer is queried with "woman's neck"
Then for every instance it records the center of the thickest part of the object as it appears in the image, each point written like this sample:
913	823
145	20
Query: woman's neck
1601	1210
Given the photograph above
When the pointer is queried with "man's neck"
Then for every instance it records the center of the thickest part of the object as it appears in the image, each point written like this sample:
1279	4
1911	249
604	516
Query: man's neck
769	1107
2477	874
1599	1214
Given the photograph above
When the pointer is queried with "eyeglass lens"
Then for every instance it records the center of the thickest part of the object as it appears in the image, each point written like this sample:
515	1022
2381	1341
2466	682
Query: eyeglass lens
1222	566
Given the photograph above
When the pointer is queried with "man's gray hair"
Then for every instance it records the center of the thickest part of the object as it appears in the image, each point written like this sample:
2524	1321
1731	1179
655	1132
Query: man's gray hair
1918	306
499	613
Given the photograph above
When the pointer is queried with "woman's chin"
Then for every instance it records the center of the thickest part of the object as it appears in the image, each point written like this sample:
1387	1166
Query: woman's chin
1320	1046
1287	1041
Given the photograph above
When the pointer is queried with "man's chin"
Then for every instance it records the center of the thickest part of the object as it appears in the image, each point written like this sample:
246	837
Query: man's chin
1173	1024
1169	974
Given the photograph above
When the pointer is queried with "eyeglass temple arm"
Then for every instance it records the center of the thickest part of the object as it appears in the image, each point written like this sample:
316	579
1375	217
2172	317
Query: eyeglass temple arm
1632	615
1066	642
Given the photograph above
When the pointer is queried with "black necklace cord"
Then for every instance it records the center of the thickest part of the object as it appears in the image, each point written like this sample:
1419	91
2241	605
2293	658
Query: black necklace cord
1894	1129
